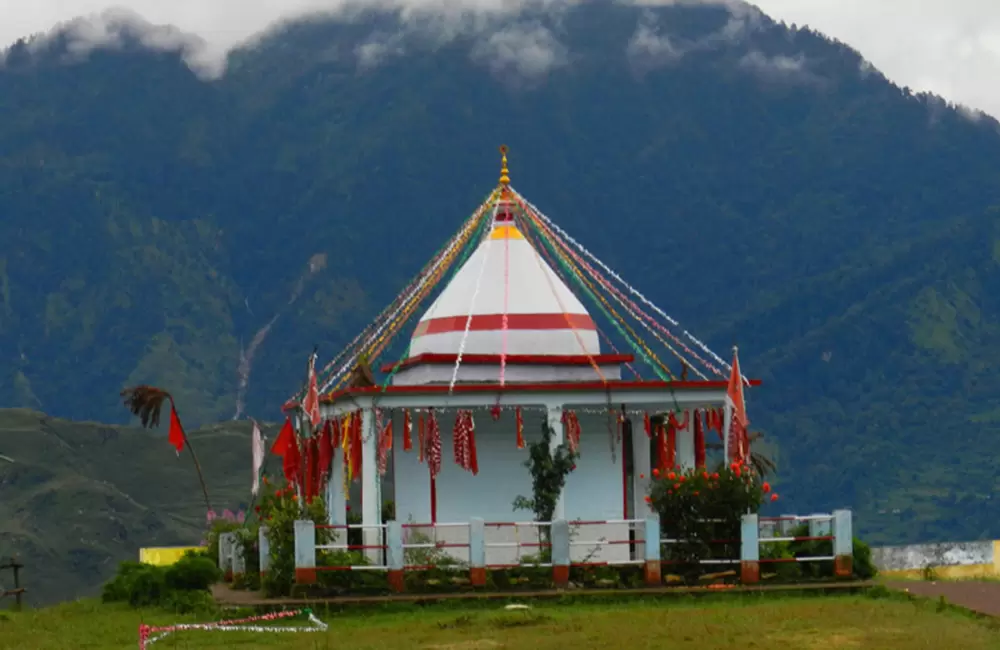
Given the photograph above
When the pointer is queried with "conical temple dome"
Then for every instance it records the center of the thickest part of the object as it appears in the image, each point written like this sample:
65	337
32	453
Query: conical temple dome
505	275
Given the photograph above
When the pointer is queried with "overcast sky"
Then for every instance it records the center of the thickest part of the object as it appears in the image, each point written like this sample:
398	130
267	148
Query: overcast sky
949	47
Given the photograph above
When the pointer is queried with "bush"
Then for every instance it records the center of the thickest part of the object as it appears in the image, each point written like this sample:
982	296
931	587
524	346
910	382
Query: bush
703	512
193	572
278	510
181	587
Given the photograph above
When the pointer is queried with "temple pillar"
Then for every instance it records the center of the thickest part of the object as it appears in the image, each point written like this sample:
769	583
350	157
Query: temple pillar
336	499
371	498
685	442
554	414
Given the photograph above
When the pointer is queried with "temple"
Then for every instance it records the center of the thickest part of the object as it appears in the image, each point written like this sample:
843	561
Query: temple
506	344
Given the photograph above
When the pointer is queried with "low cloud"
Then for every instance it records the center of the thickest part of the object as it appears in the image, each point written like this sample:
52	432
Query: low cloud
523	51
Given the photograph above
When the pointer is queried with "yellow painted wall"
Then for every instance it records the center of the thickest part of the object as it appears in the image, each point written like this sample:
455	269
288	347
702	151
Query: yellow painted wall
165	555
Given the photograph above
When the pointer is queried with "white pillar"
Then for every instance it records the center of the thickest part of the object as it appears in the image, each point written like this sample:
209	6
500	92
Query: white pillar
685	442
336	500
371	498
555	413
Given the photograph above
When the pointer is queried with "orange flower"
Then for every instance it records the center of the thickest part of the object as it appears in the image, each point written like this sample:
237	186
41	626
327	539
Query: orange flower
766	487
695	493
774	497
295	497
671	476
264	481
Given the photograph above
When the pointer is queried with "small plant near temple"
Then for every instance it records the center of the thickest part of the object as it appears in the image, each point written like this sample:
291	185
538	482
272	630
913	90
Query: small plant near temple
549	469
182	587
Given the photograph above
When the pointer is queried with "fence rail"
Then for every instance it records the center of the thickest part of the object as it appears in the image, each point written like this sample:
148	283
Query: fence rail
391	547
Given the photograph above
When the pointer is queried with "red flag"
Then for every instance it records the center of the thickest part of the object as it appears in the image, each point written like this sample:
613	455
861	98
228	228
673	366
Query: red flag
176	435
738	421
407	439
311	403
286	445
325	456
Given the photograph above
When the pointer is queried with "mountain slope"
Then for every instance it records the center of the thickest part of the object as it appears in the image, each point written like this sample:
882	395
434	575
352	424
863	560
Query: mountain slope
760	183
78	498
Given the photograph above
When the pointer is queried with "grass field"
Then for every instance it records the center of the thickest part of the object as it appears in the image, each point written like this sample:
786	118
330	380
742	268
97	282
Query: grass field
817	623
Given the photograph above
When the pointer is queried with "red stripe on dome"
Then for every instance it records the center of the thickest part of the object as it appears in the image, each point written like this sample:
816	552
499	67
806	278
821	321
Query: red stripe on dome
488	322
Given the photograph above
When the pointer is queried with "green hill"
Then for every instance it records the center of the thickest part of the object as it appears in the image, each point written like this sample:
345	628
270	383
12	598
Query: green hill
78	498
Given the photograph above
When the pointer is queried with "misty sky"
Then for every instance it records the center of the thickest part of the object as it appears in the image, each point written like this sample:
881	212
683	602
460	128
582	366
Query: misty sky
949	47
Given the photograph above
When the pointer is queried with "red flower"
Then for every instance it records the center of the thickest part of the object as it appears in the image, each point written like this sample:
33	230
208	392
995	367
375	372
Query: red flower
774	497
677	486
642	476
264	481
737	472
278	494
682	478
695	493
656	473
671	476
256	508
766	487
648	500
347	508
704	475
572	468
715	476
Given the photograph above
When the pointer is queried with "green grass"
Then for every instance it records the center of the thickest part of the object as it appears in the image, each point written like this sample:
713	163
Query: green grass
821	623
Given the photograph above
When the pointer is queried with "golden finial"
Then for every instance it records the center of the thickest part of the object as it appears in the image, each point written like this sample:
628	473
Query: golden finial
504	174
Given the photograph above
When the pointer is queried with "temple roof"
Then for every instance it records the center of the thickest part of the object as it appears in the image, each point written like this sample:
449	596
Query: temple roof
510	288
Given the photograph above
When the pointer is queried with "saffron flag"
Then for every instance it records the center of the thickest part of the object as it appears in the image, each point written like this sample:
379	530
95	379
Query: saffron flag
176	435
257	453
311	403
736	433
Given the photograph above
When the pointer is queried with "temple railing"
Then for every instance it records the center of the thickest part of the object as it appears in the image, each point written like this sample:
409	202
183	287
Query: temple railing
465	547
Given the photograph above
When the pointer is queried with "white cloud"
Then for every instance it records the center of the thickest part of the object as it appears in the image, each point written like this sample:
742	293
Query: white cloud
526	50
950	47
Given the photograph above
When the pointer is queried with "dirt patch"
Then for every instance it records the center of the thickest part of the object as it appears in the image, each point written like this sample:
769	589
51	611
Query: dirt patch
480	644
982	597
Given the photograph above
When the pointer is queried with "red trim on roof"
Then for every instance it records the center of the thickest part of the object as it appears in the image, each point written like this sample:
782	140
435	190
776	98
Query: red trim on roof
523	388
431	358
486	322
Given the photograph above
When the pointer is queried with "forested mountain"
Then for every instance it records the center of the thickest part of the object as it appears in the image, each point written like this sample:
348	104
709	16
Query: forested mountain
762	183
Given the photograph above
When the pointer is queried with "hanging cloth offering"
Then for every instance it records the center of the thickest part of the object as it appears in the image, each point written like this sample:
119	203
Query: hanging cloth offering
699	440
662	455
473	455
465	442
571	427
407	435
647	425
520	428
421	438
384	443
433	444
356	445
325	456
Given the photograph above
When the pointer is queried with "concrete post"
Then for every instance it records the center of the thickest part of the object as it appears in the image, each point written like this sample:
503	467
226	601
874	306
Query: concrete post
395	558
477	552
788	524
264	546
371	497
560	552
305	552
642	475
554	415
226	543
651	535
749	551
336	500
843	544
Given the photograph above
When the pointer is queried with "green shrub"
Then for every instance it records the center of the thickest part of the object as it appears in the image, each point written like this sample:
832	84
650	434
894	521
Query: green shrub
193	572
864	567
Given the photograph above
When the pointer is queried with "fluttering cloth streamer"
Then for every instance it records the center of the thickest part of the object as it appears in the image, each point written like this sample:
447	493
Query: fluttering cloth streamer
257	454
433	444
150	634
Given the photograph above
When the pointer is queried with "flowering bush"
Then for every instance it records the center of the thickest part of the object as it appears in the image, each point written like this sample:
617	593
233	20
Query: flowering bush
701	511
